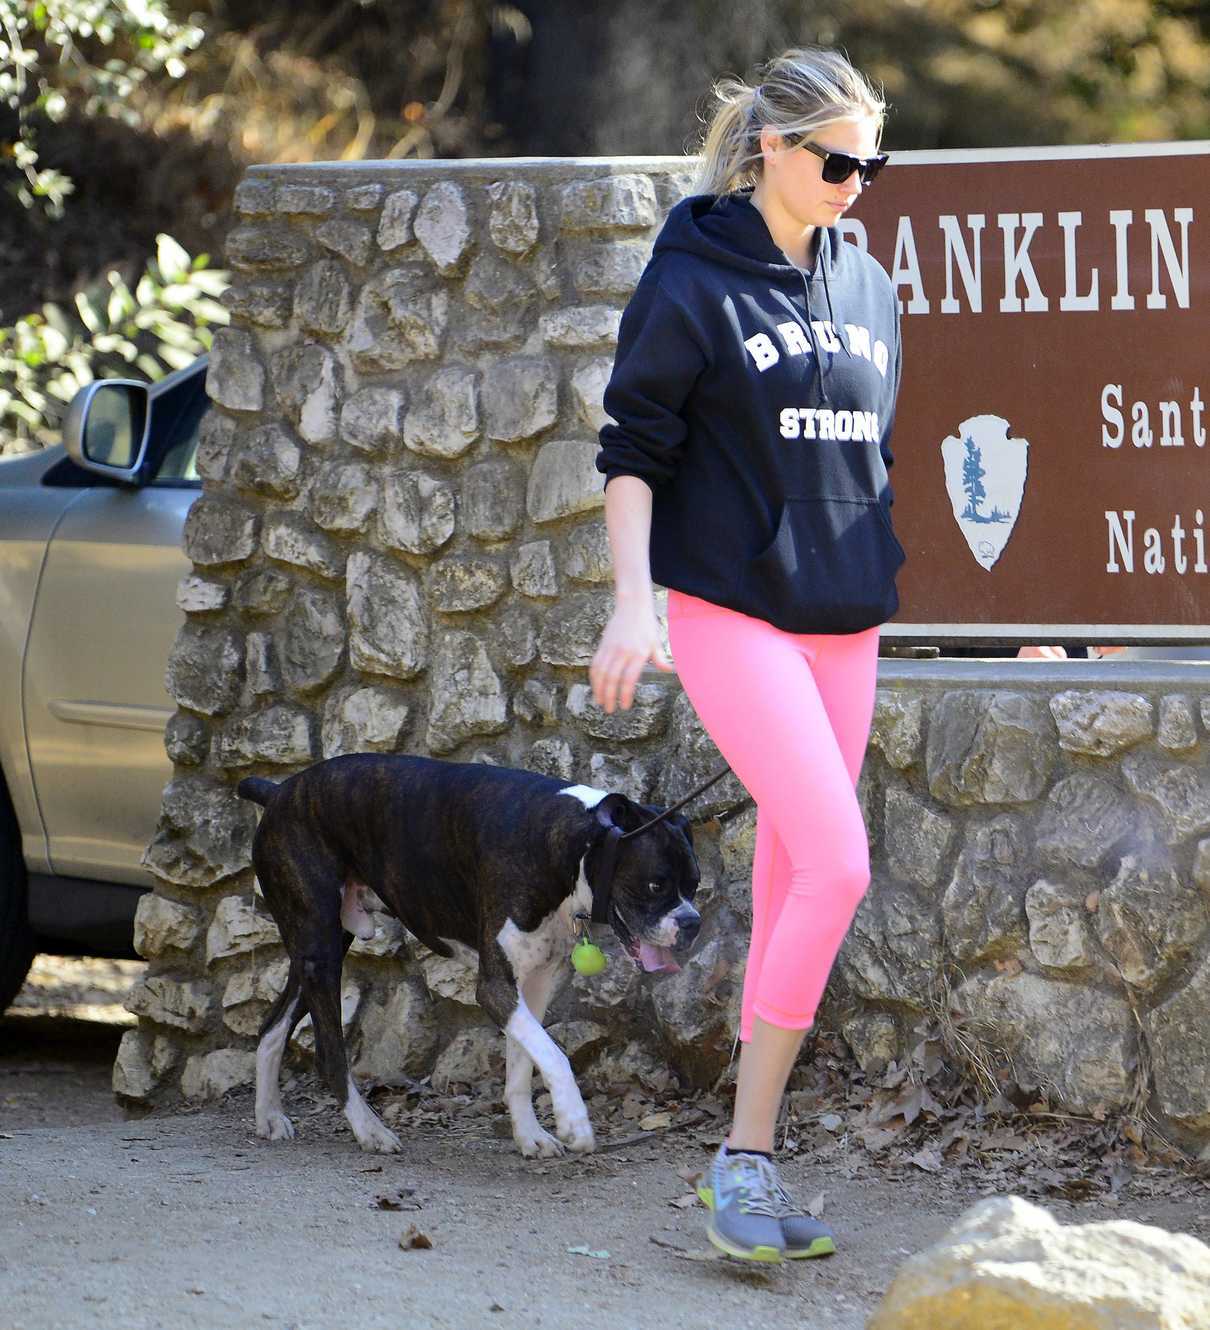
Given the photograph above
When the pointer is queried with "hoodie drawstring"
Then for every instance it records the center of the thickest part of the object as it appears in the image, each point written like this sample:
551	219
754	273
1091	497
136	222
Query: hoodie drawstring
806	286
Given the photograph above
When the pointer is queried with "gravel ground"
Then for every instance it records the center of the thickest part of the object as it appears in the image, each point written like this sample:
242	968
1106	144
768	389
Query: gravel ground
186	1219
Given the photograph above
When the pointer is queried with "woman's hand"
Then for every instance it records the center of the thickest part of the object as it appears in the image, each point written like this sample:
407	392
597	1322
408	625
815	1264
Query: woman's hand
631	638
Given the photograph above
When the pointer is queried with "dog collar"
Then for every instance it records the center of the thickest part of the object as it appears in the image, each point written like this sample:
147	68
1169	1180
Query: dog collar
602	888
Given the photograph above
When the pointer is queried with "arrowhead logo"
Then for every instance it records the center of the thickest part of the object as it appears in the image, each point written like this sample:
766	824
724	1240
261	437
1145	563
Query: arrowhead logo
985	474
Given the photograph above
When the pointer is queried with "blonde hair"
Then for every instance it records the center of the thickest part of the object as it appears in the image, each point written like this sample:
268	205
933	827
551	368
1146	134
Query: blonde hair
799	91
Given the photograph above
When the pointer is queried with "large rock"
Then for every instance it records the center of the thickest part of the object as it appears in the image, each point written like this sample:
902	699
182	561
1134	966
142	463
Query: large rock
473	1057
279	734
399	319
513	220
571	630
444	418
218	531
367	719
1058	934
561	481
1083	820
1178	791
1007	1263
890	952
443	225
615	202
493	502
205	668
292	538
1179	1038
314	640
238	927
691	759
211	1075
646	717
417	513
897	727
173	1002
1149	921
235	377
307	381
388	627
916	838
1073	1043
1100	723
468	698
697	1009
204	833
343	497
161	924
520	398
989	748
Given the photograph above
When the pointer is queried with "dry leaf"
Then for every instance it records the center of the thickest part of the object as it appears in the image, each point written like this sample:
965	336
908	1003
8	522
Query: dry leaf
929	1160
655	1121
413	1238
684	1202
815	1206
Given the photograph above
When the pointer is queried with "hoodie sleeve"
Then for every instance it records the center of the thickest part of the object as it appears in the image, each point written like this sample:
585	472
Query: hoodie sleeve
657	362
885	444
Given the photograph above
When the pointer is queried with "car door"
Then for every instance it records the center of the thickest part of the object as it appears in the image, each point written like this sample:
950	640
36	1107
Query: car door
103	624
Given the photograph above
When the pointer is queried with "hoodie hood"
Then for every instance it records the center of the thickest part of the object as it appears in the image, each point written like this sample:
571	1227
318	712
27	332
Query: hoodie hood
729	229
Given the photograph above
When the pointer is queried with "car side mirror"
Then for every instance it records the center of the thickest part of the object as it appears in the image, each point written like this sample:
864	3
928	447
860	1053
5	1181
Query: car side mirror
107	428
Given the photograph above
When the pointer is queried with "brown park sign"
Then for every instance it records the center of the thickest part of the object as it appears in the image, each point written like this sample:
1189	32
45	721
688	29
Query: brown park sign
1052	473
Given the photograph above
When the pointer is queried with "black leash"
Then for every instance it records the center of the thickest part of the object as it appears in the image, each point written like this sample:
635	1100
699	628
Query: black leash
602	889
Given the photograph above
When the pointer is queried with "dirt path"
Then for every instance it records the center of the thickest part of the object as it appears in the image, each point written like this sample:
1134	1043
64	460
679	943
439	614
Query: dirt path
188	1220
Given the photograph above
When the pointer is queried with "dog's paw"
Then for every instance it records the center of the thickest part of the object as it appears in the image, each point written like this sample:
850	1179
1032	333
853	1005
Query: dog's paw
538	1144
576	1134
377	1138
276	1127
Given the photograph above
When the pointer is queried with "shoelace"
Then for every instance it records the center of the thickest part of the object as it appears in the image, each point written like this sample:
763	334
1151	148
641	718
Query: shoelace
787	1208
757	1183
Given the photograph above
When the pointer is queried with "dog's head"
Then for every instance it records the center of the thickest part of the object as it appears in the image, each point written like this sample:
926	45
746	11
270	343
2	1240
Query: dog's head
655	878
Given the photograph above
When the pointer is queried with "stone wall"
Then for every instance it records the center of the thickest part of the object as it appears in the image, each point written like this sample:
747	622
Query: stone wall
401	547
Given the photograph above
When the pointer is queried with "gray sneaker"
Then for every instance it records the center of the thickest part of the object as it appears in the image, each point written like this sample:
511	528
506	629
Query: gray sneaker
739	1191
803	1235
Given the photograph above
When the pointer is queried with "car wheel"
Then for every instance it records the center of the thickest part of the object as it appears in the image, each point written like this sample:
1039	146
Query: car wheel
16	940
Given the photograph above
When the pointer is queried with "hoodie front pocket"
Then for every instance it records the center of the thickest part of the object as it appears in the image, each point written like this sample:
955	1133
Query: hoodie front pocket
830	568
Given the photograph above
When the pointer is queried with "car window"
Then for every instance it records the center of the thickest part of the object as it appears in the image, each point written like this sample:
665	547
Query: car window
176	419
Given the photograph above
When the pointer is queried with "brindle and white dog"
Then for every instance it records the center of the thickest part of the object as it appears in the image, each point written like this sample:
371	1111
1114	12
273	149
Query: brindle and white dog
491	864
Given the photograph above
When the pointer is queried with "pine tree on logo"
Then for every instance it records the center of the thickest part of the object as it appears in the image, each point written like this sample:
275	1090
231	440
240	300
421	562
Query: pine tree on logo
972	482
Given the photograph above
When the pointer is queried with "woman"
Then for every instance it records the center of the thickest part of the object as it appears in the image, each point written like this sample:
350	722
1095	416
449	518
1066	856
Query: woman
754	390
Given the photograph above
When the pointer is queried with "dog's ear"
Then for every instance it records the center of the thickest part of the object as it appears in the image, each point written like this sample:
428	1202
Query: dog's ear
683	822
615	810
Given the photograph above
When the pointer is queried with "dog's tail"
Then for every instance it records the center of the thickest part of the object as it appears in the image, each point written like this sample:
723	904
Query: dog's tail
258	789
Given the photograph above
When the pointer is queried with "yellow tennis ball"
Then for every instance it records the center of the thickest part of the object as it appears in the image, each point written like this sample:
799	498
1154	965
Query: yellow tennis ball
588	958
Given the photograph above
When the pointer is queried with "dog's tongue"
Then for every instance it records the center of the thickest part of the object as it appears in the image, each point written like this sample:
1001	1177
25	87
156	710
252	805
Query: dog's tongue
656	958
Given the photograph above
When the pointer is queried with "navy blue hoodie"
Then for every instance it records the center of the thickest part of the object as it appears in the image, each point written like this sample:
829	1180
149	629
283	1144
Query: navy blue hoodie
756	400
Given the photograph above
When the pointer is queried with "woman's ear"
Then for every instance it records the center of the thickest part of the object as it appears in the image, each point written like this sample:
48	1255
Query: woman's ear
770	142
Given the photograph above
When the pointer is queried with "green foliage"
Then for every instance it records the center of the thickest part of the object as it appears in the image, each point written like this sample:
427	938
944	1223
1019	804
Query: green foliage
163	324
83	55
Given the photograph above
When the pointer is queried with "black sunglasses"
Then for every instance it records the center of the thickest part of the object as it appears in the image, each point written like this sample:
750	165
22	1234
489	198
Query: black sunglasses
838	166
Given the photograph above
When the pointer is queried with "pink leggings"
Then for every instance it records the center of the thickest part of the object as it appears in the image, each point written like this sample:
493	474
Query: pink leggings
790	713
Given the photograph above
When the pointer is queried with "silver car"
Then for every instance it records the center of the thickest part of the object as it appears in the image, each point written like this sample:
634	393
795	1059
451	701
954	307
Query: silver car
90	561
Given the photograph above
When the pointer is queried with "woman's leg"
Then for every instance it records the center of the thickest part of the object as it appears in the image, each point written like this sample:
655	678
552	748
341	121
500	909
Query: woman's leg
770	871
756	694
845	670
